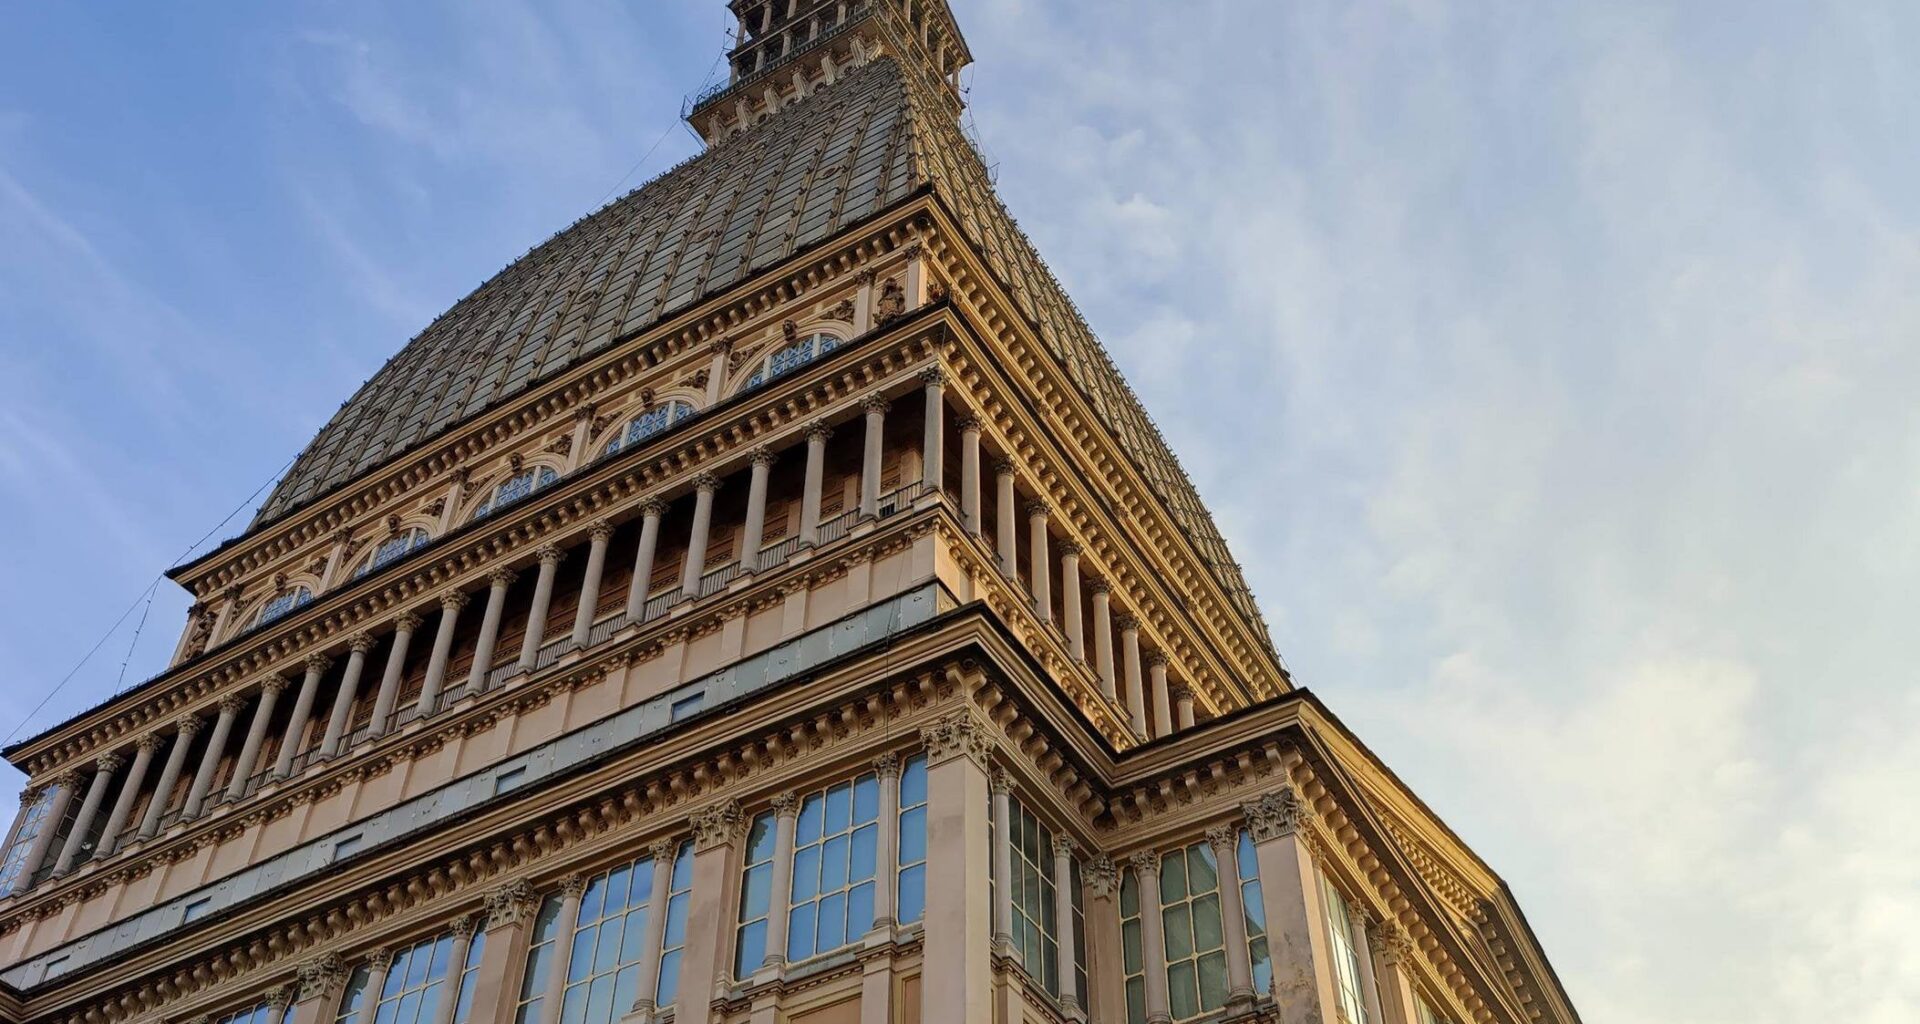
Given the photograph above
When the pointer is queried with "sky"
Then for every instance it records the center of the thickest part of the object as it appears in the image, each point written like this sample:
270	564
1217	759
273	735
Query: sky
1550	367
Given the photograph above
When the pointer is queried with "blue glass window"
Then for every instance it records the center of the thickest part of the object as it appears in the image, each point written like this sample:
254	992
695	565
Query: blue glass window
1195	935
756	896
648	424
416	982
911	902
603	969
1036	929
1133	963
515	488
31	822
792	357
284	604
1346	957
835	843
1255	908
258	1014
393	549
673	940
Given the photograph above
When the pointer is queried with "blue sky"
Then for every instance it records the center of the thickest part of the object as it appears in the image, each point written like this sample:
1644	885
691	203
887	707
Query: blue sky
1549	366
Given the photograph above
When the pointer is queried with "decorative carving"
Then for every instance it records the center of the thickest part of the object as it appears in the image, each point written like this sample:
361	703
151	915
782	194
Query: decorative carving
875	403
515	461
662	850
393	524
892	304
380	959
933	377
998	781
1145	862
1102	876
317	664
866	276
937	290
790	331
561	445
453	600
200	632
959	734
706	482
719	825
466	926
1064	846
550	554
818	430
1276	815
281	997
321	977
601	531
842	310
233	704
1156	658
435	508
887	765
1005	466
654	505
971	423
1039	509
913	250
273	684
511	904
407	622
188	726
279	582
762	455
1099	585
573	887
786	803
360	643
108	763
1391	944
149	743
1225	840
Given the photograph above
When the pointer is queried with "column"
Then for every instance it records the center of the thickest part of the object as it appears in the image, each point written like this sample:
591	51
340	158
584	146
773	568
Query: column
957	985
650	512
1039	569
786	808
1158	692
755	532
210	759
224	617
550	557
280	1004
970	474
717	832
65	785
464	928
863	301
1105	998
588	607
876	410
1003	504
556	984
1225	840
389	693
256	735
696	564
487	644
129	792
933	441
1153	938
450	604
1296	944
717	370
817	434
335	738
1362	921
1182	707
510	910
582	433
1130	660
1393	966
185	728
1063	918
662	852
1001	787
316	665
317	996
1070	600
103	770
379	965
887	856
1103	638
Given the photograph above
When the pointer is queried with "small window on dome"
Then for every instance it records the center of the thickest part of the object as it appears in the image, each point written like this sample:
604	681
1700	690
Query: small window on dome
284	604
653	422
515	488
791	357
393	549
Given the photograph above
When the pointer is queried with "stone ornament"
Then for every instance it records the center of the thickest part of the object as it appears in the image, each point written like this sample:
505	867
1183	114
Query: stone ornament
511	904
1276	815
1391	944
960	734
887	766
933	377
1064	846
550	554
321	977
662	850
875	403
1146	862
453	600
719	825
654	506
1102	877
601	531
706	482
360	643
762	455
407	622
1224	839
818	430
786	803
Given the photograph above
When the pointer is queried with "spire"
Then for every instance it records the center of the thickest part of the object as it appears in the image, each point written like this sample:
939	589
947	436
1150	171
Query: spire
785	49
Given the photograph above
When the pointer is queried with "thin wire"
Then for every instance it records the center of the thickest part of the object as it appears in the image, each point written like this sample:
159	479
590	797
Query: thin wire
139	627
711	68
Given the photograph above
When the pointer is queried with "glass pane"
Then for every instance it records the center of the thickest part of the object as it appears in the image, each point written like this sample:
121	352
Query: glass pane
617	889
548	921
1178	930
682	868
1207	933
913	782
582	958
1129	895
1202	876
607	956
859	910
806	874
1256	907
760	839
669	984
866	799
833	923
913	893
800	932
600	1001
1130	945
1182	994
574	1009
807	828
1213	981
536	976
676	930
1249	860
863	852
1173	880
625	990
913	835
635	935
752	949
756	890
1262	965
833	863
594	899
1136	1001
839	808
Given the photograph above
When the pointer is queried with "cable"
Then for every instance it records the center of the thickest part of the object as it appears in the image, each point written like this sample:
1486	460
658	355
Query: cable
120	682
711	68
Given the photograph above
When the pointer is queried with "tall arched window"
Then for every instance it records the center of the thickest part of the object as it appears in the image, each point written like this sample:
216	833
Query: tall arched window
514	488
648	424
282	604
791	357
393	549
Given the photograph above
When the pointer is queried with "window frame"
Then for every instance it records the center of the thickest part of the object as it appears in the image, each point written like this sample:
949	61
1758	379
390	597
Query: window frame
413	538
674	411
541	477
843	895
764	372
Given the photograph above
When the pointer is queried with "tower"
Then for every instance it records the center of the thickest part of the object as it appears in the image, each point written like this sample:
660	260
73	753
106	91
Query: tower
762	601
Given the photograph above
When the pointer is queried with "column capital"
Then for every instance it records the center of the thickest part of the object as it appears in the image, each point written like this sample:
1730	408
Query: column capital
1039	509
817	430
653	505
971	423
998	781
960	734
1391	944
866	275
1064	846
1224	839
282	997
720	346
875	403
706	481
1102	876
317	663
233	704
762	455
501	577
585	412
721	824
933	377
1180	692
600	530
887	765
1068	548
1005	466
662	850
786	804
149	742
453	600
1126	622
188	726
510	904
273	684
1099	585
1145	861
68	780
380	959
550	554
321	977
406	622
360	643
108	763
1277	814
466	925
573	886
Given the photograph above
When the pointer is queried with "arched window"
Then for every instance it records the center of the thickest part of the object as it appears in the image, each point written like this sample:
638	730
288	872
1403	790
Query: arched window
284	603
393	549
514	488
791	357
648	424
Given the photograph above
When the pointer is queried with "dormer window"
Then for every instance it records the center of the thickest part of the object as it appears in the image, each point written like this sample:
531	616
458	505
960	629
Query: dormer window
393	549
283	604
515	488
792	357
649	424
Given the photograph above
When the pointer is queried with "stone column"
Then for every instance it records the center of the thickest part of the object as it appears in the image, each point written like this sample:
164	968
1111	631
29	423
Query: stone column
280	1004
863	301
817	434
970	474
1103	638
450	604
1182	707
210	760
103	770
1039	567
957	984
887	854
389	693
1361	922
1225	840
717	831
510	910
556	984
662	852
876	410
317	999
1070	600
335	738
464	928
786	807
1130	660
1296	943
379	966
1063	919
1002	864
933	441
487	644
650	512
256	735
223	619
1105	998
1393	966
717	370
143	752
185	728
550	558
696	564
755	532
588	607
577	454
1003	503
316	666
1153	939
64	785
1157	690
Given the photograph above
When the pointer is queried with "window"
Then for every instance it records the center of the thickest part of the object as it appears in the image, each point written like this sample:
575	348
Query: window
196	910
1079	937
508	779
415	984
283	604
31	822
686	707
393	549
910	903
1132	948
1346	959
603	970
651	423
345	847
1428	1015
515	488
674	940
1035	927
1195	940
792	357
259	1013
835	844
756	895
1255	907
